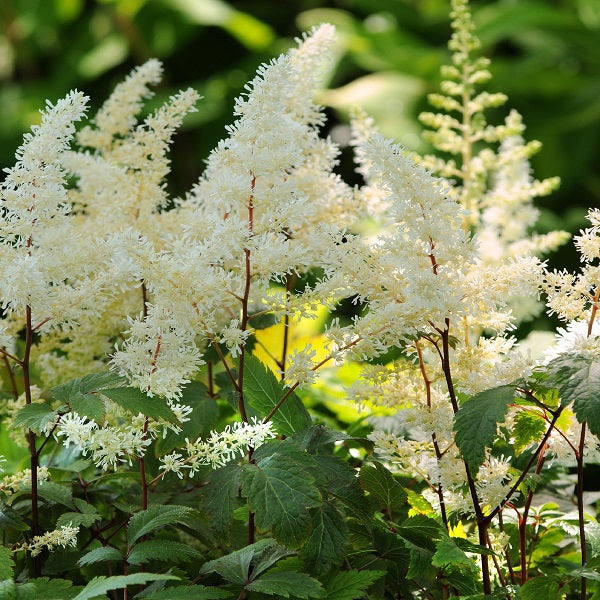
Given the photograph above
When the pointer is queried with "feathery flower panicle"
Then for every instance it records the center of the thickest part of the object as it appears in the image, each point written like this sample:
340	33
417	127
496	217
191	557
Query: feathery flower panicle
219	448
417	263
33	215
264	210
118	114
11	484
106	446
574	296
63	537
159	355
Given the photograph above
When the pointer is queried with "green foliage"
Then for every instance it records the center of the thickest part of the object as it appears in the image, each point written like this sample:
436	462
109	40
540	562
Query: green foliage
476	421
540	587
281	489
163	550
99	555
35	416
578	380
377	480
155	517
448	553
86	516
528	428
220	494
134	401
350	585
189	592
100	585
235	567
6	563
263	392
326	545
287	584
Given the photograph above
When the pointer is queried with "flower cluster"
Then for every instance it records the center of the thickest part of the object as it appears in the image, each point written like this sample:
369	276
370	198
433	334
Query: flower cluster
219	448
107	446
11	484
63	537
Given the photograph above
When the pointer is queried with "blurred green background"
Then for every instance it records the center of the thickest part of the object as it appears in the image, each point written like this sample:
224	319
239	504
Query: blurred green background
545	56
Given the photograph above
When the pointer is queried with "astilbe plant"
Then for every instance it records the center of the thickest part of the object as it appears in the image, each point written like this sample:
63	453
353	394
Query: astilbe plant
166	402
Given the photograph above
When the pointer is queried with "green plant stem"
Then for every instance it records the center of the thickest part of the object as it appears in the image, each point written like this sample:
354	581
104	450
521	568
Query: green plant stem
579	458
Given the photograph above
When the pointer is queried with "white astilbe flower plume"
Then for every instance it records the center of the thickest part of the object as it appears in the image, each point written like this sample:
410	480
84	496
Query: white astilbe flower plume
118	114
159	355
42	267
63	537
411	273
219	448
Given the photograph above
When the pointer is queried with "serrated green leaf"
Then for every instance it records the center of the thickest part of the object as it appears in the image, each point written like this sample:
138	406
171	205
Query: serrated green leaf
327	542
340	480
528	428
86	516
467	546
81	393
350	585
100	381
476	421
88	405
34	416
219	496
578	381
539	587
135	401
189	592
420	563
280	490
155	517
317	436
287	584
100	585
56	493
25	591
268	558
7	589
390	546
99	555
592	537
75	518
421	531
377	480
448	553
162	550
263	391
10	519
235	567
6	563
54	589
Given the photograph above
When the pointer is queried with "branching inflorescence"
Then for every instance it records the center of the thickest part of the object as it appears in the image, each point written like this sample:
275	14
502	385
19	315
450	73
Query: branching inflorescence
171	294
